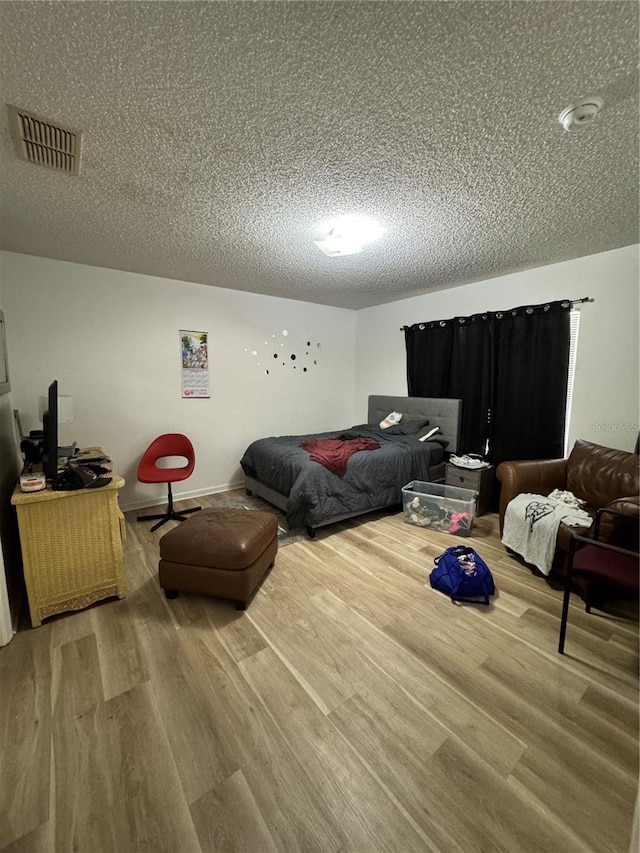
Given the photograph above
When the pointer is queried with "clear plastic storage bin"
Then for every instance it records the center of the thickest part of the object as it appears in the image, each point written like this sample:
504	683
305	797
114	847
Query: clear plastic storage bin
436	506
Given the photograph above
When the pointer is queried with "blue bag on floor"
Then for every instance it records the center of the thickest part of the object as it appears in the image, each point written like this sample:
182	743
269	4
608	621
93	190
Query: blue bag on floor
463	575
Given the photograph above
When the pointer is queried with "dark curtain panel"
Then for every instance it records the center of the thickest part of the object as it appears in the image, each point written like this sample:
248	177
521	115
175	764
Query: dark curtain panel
429	347
530	363
510	371
470	380
450	358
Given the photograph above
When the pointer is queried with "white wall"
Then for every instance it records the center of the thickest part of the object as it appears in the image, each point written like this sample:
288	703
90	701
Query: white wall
8	474
111	340
10	569
605	402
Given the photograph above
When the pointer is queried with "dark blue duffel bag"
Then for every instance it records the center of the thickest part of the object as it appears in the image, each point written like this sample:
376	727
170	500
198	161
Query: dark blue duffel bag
462	575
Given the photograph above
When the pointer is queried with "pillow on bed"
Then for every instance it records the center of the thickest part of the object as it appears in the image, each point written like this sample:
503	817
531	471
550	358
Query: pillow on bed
439	439
410	425
391	419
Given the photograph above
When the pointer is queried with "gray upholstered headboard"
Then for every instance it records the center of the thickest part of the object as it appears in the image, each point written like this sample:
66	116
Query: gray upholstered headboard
441	412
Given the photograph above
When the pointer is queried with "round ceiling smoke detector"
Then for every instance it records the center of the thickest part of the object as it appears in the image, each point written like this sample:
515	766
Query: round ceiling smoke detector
580	114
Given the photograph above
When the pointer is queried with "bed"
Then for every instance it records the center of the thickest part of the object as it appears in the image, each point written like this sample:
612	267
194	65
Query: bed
281	472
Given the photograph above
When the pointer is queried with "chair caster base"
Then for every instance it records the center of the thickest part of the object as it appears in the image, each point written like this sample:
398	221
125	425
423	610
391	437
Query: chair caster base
170	515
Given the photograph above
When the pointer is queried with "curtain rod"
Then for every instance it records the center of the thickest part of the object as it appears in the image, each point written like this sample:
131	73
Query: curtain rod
571	302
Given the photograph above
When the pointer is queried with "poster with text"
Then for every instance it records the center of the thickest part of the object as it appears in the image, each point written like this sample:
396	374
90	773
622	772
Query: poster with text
195	364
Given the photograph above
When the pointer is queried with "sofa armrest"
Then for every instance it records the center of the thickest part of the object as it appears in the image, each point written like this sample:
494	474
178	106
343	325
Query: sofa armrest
625	512
538	476
628	507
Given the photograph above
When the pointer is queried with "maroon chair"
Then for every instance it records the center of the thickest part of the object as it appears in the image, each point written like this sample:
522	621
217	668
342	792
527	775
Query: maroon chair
170	444
605	568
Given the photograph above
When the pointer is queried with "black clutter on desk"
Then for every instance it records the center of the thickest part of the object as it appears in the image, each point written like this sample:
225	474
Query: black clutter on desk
75	477
32	450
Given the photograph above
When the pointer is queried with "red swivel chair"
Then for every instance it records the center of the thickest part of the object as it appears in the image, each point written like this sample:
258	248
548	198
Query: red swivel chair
606	568
170	444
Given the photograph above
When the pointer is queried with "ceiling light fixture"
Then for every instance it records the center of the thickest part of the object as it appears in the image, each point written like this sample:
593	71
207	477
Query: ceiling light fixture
347	235
580	114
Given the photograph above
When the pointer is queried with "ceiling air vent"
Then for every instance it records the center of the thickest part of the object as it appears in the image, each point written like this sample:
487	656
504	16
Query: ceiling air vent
41	141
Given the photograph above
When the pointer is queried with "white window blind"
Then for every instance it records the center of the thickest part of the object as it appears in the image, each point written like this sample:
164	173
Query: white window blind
574	319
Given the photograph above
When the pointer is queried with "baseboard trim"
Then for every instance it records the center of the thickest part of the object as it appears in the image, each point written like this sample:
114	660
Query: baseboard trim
182	496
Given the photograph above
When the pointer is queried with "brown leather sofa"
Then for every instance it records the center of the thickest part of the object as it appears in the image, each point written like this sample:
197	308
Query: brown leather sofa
601	476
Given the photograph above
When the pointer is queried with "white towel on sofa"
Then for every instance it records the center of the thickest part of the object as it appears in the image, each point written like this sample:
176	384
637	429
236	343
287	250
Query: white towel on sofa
531	526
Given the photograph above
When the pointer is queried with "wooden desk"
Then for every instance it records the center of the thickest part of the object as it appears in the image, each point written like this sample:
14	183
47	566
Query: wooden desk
71	547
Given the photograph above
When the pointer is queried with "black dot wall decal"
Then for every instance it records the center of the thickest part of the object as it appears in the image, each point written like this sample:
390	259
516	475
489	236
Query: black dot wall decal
291	358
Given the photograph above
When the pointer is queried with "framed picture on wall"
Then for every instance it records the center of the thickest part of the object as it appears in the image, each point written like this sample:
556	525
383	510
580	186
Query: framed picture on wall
5	385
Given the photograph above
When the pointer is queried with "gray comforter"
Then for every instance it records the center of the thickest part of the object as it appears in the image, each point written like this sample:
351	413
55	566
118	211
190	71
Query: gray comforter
374	478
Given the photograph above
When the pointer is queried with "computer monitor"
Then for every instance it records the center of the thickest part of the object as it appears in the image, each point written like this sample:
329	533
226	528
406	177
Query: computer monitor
50	434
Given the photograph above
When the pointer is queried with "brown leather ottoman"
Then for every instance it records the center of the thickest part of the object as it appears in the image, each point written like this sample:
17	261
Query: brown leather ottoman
226	553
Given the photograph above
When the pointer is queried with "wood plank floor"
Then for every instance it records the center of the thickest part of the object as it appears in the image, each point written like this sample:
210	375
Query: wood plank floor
351	708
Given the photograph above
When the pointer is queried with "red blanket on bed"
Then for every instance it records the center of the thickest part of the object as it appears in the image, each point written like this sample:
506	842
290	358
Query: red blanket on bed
334	453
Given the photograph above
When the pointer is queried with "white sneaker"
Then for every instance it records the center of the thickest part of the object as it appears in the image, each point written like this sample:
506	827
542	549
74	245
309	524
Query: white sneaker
466	461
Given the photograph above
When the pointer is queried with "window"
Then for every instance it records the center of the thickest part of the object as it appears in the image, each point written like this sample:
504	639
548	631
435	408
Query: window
574	319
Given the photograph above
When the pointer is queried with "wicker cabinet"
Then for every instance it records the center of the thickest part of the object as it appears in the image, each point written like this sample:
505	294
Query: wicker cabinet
71	547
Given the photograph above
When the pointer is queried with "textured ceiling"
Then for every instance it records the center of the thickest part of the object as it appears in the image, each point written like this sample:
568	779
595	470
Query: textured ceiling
216	134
